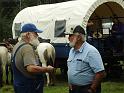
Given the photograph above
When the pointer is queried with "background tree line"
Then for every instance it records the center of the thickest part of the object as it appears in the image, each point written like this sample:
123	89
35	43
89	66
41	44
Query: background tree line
10	8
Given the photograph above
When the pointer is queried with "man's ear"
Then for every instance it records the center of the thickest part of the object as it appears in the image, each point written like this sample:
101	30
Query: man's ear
28	35
79	37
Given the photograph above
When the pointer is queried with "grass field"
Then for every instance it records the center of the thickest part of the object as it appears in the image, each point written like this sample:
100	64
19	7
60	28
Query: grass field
113	86
62	87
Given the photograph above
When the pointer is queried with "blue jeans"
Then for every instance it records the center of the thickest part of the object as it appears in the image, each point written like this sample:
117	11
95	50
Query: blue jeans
35	87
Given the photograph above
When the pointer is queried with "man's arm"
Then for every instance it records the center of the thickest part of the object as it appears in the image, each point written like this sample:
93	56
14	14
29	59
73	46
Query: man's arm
97	80
38	69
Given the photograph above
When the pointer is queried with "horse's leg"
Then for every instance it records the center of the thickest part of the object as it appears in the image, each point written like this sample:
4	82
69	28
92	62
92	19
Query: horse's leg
11	71
1	75
47	74
7	73
48	79
52	78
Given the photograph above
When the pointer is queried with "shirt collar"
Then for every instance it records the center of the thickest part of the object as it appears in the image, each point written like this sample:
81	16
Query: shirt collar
82	47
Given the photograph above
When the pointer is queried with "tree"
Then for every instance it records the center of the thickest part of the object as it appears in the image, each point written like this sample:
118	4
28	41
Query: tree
9	9
7	14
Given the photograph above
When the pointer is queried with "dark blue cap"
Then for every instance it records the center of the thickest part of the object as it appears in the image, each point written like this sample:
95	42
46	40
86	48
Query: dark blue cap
30	28
79	29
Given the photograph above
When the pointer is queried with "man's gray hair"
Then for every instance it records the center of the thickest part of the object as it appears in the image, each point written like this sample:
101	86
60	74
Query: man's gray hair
83	37
22	36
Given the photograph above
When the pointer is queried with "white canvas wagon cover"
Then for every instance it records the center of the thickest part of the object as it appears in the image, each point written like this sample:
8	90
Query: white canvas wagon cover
68	14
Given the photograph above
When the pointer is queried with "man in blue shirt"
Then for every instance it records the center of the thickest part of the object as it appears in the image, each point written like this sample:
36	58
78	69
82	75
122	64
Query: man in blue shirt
85	66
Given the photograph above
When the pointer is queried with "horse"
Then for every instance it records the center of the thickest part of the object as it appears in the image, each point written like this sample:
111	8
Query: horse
5	59
46	54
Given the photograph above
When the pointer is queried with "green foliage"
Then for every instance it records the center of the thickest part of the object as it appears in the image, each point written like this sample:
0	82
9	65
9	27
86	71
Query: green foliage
10	8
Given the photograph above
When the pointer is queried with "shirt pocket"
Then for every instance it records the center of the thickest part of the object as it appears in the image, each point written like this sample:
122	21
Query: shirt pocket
79	64
69	62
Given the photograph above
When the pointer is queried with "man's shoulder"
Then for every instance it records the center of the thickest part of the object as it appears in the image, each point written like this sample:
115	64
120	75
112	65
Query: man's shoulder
22	46
90	47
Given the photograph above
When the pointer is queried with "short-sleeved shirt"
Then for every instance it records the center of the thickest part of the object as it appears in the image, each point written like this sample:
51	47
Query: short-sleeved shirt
83	64
24	57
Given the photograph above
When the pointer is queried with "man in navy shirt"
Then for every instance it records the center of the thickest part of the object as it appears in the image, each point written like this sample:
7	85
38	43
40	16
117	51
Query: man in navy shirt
85	66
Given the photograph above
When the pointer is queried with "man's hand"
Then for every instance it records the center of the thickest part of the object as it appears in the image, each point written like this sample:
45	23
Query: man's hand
70	86
50	68
91	90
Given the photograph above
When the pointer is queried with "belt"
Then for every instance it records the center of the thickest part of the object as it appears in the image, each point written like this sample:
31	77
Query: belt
84	86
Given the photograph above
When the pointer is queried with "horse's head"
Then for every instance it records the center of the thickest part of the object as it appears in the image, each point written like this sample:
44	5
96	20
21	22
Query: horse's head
9	43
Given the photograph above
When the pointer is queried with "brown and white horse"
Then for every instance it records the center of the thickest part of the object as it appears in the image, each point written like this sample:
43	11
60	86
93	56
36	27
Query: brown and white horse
5	59
46	54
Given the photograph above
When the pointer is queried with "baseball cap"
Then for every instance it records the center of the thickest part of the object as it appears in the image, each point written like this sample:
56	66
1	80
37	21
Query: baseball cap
77	29
29	27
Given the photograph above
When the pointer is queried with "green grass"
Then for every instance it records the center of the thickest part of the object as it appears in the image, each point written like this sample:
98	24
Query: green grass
62	87
7	89
115	86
